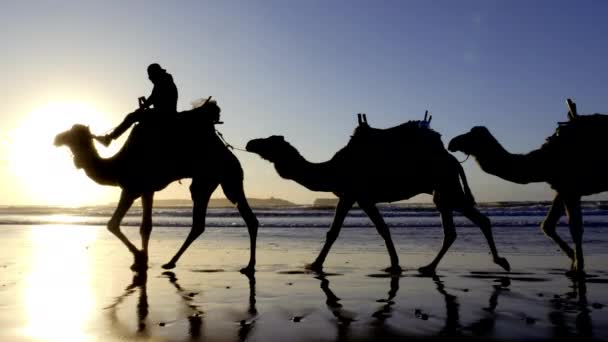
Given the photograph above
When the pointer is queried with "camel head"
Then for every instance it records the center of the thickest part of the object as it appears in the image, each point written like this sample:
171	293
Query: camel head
273	148
471	142
77	139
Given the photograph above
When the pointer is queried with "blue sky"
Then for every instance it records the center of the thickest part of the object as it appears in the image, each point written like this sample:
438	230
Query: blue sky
303	69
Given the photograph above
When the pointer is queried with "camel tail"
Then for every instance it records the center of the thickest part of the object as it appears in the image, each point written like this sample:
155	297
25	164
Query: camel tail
468	195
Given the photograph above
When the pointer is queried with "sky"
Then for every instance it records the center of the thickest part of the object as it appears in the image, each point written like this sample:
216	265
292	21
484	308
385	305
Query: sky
301	69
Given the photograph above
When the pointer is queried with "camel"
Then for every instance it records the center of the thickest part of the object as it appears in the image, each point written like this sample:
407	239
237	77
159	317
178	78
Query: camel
570	161
383	165
157	154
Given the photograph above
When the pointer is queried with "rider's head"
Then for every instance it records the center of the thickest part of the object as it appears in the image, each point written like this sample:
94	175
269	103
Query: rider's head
155	72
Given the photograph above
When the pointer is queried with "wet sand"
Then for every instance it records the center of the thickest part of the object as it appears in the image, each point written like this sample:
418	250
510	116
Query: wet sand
72	283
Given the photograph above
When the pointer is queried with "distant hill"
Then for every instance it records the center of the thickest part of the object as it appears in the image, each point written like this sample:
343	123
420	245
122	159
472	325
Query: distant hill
225	203
325	202
331	202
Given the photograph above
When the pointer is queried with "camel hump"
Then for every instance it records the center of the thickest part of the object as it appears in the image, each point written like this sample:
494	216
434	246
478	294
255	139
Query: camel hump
203	112
413	133
583	131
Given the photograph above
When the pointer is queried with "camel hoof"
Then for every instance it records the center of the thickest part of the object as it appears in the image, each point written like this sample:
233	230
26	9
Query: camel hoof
169	266
393	269
502	262
427	271
249	270
315	267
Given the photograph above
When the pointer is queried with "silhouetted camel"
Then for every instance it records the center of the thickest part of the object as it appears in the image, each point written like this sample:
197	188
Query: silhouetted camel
571	161
157	154
383	165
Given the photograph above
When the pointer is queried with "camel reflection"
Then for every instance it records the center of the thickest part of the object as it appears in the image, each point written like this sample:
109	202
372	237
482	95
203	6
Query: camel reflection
385	311
343	317
483	326
138	283
195	317
452	307
191	310
572	302
247	324
571	305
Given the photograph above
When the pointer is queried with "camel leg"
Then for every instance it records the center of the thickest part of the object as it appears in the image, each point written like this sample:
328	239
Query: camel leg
125	202
233	189
146	223
483	222
383	230
549	225
449	236
342	209
252	228
575	218
252	225
200	196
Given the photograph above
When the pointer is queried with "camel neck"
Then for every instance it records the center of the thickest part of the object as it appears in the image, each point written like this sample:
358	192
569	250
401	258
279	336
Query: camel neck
96	168
313	176
517	168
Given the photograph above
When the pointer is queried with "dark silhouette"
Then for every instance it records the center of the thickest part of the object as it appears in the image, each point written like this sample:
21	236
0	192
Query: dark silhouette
139	283
563	306
570	161
385	311
383	165
452	308
343	317
187	148
248	324
195	317
479	328
163	101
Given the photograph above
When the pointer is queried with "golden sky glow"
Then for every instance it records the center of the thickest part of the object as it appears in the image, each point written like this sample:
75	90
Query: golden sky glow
44	173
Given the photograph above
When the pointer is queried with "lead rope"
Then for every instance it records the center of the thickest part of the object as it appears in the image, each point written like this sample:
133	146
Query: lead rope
465	159
227	143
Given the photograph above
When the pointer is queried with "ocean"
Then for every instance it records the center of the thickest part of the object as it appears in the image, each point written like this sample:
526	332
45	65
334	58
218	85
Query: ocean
415	227
515	215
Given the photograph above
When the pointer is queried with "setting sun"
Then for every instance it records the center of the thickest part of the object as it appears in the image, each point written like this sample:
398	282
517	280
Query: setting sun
46	173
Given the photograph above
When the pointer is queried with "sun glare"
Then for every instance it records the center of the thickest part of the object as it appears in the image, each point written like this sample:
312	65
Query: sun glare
55	294
45	174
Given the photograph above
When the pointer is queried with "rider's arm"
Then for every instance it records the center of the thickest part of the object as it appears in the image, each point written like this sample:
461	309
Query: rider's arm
151	99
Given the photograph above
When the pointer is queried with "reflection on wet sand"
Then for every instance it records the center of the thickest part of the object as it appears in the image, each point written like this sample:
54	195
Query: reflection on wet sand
480	327
57	280
572	305
385	310
192	311
485	324
194	314
247	324
452	307
381	330
55	294
139	283
467	315
573	302
343	317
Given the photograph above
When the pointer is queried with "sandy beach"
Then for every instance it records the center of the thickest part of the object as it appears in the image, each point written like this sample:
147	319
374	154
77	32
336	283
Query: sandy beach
73	283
